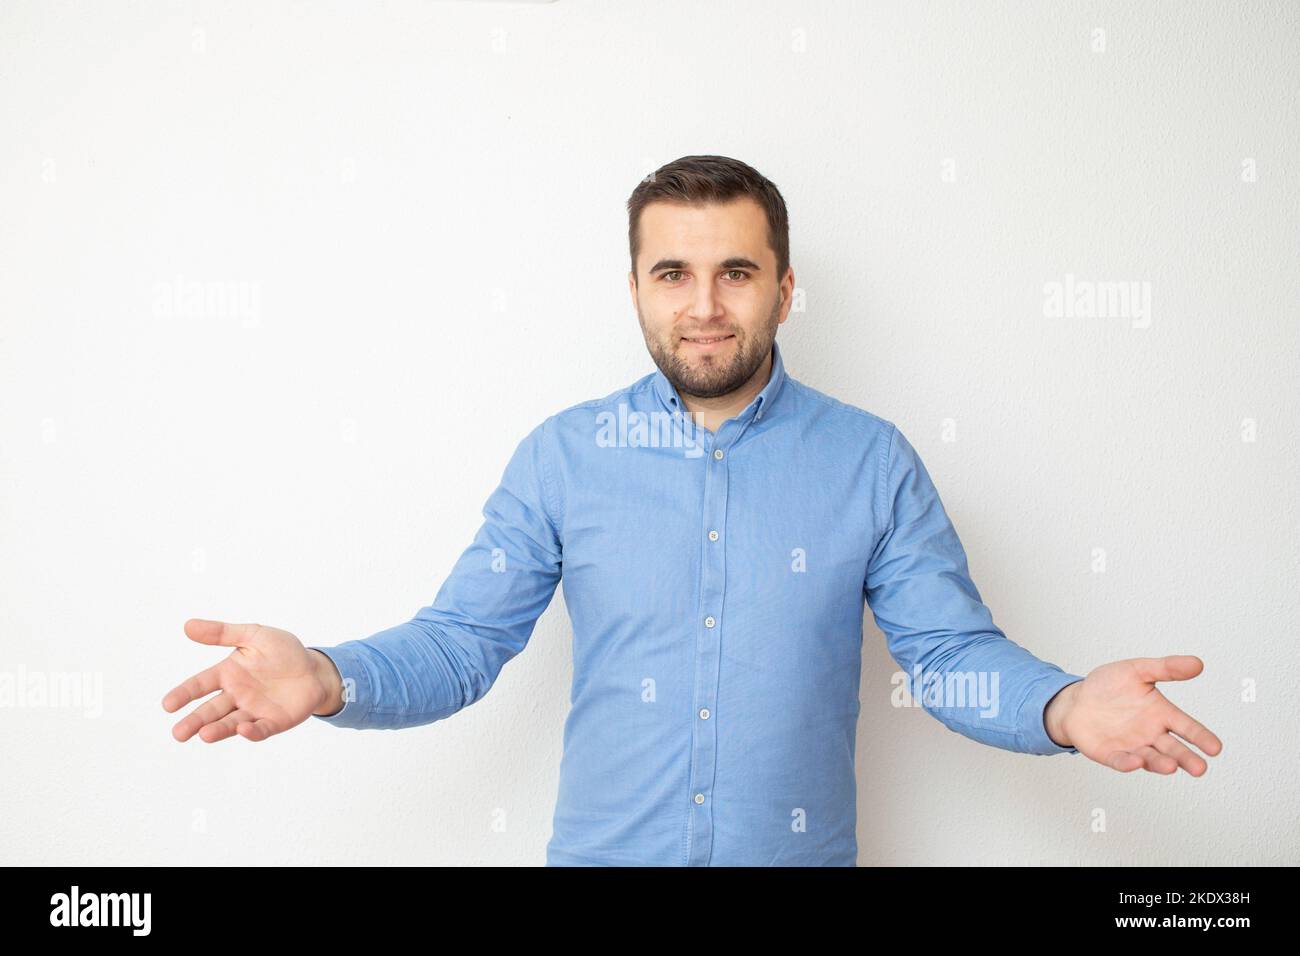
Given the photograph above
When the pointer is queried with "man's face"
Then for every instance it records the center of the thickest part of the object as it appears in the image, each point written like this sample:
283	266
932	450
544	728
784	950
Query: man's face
708	299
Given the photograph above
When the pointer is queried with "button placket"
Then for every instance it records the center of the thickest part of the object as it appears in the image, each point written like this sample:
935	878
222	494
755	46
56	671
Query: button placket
709	644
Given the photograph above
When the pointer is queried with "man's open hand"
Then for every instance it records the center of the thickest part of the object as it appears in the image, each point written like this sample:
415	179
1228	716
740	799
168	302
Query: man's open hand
269	683
1116	717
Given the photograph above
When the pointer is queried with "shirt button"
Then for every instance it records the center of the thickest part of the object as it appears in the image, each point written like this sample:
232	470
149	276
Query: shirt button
717	453
699	798
713	536
704	713
708	621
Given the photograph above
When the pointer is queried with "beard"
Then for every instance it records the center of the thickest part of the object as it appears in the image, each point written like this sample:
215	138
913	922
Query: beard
709	376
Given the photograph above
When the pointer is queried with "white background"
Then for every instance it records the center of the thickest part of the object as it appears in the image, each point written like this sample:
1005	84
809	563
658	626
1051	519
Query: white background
423	206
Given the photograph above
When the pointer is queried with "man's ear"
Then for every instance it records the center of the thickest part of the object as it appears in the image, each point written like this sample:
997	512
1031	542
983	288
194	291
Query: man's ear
787	293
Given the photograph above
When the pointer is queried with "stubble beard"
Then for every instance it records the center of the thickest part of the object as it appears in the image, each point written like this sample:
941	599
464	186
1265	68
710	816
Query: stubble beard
708	377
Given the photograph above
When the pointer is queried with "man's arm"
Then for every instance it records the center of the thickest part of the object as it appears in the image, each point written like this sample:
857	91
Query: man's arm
450	653
972	678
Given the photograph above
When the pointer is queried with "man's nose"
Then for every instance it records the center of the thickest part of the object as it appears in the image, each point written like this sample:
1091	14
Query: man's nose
704	303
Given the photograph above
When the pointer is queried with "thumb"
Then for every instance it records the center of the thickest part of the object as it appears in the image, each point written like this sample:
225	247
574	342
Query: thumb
219	632
1174	667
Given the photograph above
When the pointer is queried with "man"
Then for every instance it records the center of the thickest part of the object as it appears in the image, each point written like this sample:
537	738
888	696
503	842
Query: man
718	526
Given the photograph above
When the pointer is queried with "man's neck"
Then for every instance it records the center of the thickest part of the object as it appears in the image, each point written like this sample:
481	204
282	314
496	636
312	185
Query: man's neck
710	413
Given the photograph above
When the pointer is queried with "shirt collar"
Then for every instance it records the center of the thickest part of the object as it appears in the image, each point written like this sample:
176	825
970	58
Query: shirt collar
761	404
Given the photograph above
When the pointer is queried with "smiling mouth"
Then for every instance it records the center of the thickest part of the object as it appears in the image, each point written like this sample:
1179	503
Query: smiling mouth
708	341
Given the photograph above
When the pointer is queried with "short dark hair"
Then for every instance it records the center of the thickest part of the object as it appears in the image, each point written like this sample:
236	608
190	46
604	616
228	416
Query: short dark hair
704	179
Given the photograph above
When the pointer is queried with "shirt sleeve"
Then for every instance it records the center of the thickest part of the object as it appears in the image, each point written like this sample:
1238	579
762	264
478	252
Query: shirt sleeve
450	653
957	663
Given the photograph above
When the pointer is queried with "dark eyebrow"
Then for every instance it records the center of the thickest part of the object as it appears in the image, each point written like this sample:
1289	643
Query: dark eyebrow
735	262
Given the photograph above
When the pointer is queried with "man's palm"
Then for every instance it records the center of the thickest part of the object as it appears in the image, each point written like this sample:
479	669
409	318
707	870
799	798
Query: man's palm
1121	720
268	684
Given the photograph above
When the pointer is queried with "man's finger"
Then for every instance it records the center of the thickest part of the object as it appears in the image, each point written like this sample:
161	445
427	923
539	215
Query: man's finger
1156	762
225	727
205	713
1124	761
1187	759
1174	667
219	632
1193	731
200	685
258	730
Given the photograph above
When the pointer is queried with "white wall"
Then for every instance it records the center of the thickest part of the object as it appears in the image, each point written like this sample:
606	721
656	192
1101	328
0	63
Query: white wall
423	203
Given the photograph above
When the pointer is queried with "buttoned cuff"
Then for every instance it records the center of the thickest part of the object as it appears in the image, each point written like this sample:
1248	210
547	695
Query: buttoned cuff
356	687
1033	714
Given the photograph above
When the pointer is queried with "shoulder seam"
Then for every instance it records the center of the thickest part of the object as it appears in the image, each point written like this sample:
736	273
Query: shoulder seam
885	520
605	399
835	403
548	482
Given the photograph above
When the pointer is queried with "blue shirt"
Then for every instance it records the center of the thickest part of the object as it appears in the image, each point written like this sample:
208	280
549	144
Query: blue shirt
716	587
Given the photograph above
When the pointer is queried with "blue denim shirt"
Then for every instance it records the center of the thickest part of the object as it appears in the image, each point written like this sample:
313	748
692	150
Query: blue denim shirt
716	587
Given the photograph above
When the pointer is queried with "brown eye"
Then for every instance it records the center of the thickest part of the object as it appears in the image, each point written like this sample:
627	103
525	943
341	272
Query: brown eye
674	272
739	273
